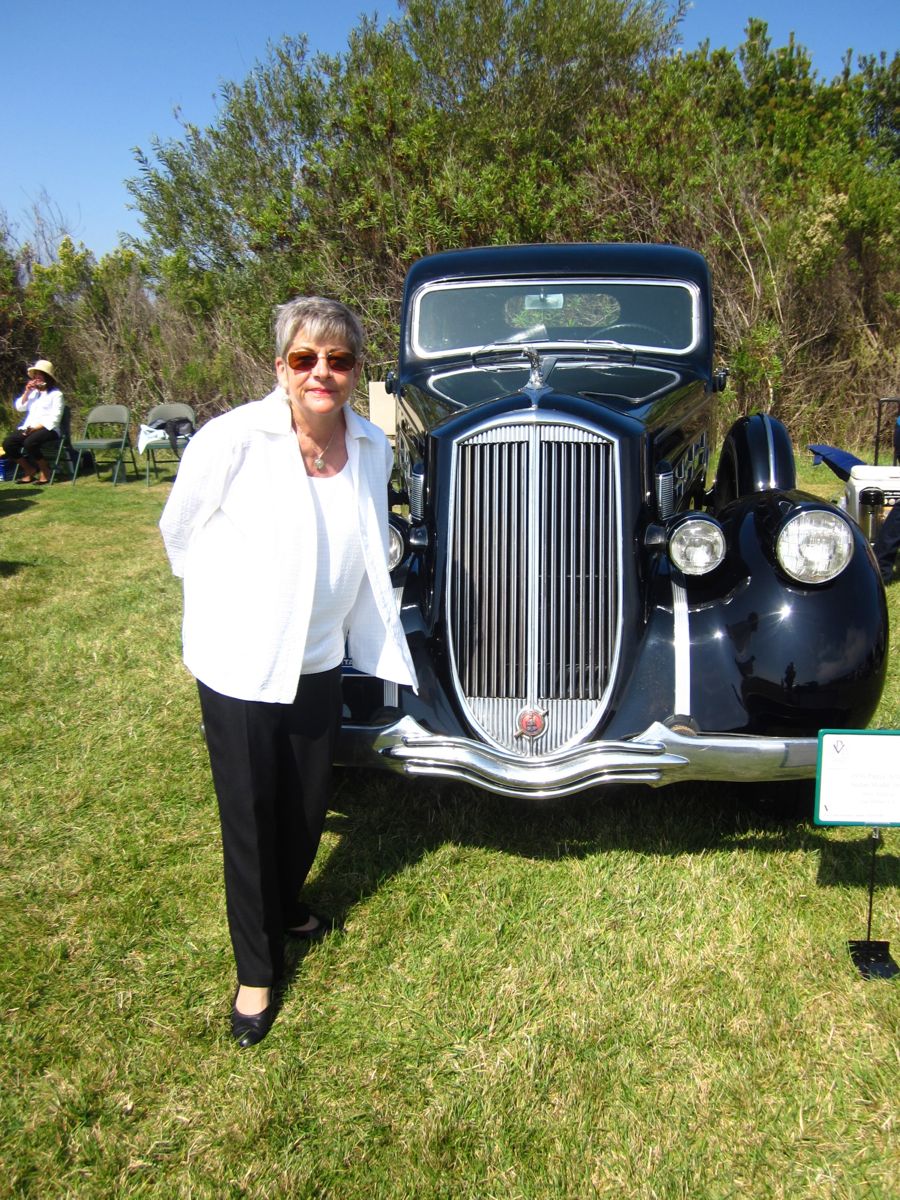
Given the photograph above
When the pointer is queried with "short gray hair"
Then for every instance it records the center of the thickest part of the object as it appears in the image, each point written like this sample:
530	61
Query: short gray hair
324	320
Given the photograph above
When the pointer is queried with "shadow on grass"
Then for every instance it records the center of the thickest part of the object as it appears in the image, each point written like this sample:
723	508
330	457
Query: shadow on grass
386	824
8	569
17	498
164	477
849	864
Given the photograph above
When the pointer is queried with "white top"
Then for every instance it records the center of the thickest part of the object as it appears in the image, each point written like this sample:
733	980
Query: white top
339	570
40	407
240	528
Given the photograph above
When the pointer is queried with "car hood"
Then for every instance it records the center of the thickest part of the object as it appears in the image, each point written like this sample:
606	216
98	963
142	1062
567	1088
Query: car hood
627	386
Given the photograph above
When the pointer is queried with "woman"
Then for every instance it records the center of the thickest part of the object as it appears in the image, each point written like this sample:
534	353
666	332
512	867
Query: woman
277	523
42	403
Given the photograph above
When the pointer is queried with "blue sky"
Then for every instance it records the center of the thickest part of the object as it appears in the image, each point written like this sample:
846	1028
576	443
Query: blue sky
88	80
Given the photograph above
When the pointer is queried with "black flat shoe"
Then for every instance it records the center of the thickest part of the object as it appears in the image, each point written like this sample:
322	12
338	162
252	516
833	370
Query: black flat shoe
249	1030
322	928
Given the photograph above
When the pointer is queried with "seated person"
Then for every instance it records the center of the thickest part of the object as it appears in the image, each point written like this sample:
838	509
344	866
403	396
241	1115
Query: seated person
887	543
42	403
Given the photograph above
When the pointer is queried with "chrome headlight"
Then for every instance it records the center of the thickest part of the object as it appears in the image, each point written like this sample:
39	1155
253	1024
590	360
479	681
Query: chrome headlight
814	546
697	545
396	547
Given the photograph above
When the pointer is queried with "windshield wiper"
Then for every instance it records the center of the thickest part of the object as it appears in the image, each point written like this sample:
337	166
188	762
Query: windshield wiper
499	349
558	344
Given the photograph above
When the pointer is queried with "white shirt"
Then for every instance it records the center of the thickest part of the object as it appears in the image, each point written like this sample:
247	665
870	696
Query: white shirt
240	529
339	570
40	407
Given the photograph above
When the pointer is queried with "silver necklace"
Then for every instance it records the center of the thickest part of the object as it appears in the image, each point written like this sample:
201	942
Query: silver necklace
319	460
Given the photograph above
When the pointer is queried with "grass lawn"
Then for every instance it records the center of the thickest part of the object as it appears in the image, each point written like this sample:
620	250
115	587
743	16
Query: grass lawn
637	993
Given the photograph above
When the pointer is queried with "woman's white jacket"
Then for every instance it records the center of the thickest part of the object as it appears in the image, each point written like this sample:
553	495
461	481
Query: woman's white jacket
240	529
41	408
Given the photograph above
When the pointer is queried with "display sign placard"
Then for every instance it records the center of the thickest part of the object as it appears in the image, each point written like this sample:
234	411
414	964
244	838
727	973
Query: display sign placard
858	777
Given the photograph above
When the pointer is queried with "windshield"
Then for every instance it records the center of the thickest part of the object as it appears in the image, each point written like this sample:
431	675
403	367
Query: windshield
654	315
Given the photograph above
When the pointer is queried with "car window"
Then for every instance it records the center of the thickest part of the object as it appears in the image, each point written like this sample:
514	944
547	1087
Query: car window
656	314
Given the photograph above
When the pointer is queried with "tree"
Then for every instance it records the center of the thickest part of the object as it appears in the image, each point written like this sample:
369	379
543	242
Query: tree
481	121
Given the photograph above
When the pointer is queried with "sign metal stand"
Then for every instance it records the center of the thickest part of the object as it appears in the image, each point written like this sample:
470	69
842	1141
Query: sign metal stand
873	959
856	784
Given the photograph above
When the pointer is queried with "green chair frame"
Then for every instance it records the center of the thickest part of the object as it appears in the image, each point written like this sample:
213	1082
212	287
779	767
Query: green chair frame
99	438
167	412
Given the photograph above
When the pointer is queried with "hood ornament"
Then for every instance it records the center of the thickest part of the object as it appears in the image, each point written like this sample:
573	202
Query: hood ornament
536	378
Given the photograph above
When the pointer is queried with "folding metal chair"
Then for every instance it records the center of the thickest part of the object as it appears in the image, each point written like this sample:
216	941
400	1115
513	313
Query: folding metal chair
170	452
106	429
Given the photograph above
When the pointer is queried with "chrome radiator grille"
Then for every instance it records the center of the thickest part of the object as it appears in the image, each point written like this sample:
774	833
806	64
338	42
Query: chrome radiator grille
534	580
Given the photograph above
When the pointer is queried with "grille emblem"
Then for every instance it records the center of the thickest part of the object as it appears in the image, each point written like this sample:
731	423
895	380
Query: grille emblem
531	722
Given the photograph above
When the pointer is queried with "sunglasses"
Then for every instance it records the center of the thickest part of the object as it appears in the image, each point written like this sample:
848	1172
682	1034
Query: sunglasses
340	361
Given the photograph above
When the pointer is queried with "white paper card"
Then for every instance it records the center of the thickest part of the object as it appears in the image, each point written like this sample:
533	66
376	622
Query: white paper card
858	777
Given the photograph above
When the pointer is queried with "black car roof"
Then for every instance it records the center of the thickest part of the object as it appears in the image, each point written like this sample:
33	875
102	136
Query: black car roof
574	259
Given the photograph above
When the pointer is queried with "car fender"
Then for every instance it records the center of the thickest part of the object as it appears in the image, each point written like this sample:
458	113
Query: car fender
757	456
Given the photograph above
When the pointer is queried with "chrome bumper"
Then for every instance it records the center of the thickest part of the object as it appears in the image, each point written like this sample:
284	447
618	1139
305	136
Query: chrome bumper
657	756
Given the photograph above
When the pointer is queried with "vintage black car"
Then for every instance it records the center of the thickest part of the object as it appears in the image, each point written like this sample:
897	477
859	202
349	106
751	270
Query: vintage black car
583	604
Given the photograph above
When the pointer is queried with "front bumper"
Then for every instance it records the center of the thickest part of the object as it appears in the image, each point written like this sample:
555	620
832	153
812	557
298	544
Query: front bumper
657	756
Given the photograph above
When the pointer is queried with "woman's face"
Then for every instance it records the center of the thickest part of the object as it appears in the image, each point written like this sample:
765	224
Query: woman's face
321	389
39	380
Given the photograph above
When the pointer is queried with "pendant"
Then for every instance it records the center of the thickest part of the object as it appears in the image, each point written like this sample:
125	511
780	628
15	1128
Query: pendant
319	463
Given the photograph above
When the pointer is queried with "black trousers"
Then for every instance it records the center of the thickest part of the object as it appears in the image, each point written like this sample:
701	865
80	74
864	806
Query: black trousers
30	446
271	767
